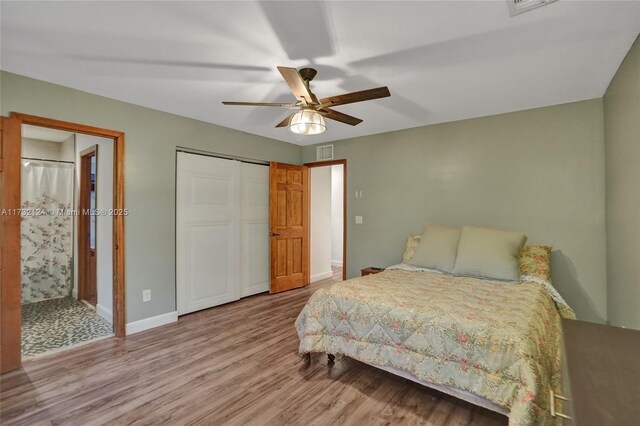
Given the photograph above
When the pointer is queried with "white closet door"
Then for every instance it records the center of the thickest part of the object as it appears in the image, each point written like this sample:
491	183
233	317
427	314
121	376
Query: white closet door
207	232
254	230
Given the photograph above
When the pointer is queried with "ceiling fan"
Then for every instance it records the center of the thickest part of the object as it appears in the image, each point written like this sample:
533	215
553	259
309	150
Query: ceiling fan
309	119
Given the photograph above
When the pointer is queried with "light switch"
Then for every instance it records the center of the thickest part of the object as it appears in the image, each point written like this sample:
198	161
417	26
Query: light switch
359	220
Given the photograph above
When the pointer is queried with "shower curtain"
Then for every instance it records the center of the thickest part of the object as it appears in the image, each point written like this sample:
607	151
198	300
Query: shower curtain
46	230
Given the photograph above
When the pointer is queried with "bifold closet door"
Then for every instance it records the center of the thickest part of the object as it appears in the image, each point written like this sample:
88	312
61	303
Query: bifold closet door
254	230
207	232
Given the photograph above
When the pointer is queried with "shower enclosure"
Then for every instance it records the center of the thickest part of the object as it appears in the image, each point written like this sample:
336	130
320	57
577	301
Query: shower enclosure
46	230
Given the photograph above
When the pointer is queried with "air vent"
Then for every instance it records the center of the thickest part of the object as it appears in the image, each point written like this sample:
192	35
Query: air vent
324	152
517	7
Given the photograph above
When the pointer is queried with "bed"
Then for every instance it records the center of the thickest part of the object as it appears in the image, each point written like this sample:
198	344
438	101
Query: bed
493	344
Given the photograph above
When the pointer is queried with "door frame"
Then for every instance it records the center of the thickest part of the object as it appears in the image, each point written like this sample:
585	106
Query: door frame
84	221
344	206
10	295
10	288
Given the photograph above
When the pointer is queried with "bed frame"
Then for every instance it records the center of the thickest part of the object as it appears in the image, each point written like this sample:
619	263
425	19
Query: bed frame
457	393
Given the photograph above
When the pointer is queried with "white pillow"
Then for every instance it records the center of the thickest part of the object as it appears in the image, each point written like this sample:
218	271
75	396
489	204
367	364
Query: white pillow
489	254
437	249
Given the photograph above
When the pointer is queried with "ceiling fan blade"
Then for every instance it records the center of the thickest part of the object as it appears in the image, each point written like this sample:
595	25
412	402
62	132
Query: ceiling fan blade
297	86
269	104
339	116
170	63
349	98
285	122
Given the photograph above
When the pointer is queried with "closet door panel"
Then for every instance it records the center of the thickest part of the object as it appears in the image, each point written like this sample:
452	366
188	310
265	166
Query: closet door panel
254	229
209	275
207	232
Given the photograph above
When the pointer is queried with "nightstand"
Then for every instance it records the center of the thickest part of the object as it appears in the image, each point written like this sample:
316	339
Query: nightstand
370	270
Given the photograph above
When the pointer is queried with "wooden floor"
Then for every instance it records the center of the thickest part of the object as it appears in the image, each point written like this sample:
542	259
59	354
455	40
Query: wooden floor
235	364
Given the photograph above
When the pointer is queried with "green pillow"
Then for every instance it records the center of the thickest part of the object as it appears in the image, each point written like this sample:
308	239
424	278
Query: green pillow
489	254
437	249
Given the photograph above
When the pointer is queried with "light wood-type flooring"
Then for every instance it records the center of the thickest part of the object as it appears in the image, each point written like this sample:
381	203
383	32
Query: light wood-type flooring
235	364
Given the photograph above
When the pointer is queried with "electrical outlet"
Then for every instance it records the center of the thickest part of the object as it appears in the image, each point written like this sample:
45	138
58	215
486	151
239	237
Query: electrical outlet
146	295
359	220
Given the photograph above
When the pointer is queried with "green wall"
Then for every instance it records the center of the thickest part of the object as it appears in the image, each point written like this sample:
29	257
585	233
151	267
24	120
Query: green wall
150	150
539	171
622	148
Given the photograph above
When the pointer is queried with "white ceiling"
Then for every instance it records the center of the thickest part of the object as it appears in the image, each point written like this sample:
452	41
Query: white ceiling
44	134
442	61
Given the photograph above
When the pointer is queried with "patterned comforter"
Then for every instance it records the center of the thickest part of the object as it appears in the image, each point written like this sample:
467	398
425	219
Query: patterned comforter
499	341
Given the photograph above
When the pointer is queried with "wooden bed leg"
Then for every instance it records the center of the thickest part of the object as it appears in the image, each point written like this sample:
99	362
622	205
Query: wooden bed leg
331	358
307	358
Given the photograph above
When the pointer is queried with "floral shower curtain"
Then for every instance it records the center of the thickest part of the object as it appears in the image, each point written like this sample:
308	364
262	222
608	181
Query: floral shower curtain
46	230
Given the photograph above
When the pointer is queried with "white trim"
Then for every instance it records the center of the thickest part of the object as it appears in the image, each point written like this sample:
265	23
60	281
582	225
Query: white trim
105	313
148	323
254	289
336	263
321	276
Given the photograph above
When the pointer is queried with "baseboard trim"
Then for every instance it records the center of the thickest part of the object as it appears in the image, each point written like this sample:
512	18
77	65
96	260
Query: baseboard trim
104	313
254	289
153	322
321	276
336	263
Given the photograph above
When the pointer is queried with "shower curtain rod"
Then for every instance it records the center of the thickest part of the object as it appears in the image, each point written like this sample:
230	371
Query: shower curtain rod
44	159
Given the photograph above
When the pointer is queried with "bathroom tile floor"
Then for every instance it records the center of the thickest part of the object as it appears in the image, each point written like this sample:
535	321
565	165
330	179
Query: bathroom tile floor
59	323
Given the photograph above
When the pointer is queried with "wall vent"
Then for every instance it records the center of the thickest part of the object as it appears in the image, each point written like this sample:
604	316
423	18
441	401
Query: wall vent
324	152
517	7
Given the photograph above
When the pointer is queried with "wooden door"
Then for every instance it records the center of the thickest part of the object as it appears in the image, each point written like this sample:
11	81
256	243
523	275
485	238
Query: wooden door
289	222
207	232
87	259
10	314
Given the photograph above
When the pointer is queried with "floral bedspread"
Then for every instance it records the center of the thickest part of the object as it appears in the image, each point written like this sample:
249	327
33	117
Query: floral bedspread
501	342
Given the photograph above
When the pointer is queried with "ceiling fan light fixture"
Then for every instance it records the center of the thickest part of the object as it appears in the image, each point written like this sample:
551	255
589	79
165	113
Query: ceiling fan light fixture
307	122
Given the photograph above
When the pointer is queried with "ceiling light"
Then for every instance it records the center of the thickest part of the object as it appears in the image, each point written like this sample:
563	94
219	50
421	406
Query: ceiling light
307	122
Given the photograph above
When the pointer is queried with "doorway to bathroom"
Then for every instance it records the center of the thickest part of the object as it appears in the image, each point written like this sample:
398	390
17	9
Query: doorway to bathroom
53	277
66	286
